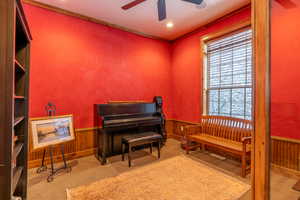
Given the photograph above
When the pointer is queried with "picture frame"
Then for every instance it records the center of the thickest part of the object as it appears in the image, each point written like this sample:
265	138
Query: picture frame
51	130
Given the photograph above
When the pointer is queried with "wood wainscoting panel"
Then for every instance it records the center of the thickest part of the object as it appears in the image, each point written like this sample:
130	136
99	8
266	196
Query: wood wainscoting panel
178	128
169	128
285	153
83	145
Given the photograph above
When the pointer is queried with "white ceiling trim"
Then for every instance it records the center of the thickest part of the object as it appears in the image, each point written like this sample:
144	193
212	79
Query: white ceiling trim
142	20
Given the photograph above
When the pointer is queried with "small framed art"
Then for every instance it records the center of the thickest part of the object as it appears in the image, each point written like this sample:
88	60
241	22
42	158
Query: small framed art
52	130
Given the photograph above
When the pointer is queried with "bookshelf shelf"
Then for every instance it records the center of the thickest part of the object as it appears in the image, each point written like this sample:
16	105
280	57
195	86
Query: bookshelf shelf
17	149
18	120
16	177
19	97
19	67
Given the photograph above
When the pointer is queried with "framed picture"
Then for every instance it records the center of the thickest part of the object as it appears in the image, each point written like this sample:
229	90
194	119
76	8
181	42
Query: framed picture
51	130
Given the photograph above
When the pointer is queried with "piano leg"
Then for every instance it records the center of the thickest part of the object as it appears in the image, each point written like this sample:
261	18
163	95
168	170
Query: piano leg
158	149
123	150
104	149
129	155
112	142
151	148
103	160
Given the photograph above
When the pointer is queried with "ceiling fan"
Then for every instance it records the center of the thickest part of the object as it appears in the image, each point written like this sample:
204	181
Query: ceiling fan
287	3
161	6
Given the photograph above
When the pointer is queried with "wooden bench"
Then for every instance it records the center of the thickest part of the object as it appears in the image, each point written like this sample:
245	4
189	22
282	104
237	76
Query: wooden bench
223	133
140	139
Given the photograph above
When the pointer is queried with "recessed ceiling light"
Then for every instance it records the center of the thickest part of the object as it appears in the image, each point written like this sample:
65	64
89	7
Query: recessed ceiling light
169	25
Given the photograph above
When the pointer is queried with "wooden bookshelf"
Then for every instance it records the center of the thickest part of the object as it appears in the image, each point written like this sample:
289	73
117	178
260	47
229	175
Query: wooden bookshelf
14	75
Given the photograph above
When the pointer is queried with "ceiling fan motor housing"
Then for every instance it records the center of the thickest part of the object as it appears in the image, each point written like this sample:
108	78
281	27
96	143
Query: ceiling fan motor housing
161	6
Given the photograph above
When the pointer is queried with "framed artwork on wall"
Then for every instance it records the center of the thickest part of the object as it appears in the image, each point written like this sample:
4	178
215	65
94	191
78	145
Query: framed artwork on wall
51	130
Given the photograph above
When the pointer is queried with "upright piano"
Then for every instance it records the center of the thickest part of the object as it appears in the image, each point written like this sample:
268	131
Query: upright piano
120	119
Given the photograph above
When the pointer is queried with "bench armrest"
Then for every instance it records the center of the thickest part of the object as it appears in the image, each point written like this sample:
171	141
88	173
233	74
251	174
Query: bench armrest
247	140
191	130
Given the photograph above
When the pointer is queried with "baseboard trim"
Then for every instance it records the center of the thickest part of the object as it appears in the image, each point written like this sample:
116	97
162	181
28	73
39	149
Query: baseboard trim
176	137
183	121
57	159
286	171
87	129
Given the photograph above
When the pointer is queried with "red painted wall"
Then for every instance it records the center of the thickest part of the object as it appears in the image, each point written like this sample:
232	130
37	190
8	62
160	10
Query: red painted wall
75	63
285	72
187	70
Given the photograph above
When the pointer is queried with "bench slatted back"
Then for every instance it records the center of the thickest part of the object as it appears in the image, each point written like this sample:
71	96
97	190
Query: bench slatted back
226	127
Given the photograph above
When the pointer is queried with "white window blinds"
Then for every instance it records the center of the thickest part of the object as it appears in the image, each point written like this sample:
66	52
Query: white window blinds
229	76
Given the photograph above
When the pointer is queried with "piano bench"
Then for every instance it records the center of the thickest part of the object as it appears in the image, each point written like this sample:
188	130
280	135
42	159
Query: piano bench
140	139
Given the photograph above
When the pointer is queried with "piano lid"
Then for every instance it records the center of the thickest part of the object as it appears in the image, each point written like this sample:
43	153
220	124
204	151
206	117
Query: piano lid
125	109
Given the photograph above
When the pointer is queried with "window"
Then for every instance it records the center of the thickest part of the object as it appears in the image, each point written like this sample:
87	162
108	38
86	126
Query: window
228	79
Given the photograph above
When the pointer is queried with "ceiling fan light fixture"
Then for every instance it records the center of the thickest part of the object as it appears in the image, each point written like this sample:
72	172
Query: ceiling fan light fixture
169	25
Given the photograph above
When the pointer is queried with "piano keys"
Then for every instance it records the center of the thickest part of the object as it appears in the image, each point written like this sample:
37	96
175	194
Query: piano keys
120	119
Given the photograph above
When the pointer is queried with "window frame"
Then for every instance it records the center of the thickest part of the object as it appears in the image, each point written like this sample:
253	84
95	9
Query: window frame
235	28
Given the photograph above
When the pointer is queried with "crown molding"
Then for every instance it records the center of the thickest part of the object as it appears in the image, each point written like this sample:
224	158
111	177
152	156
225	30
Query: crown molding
222	17
97	21
90	19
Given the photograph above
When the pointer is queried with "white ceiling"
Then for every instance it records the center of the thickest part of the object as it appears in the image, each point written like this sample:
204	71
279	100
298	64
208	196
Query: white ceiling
143	18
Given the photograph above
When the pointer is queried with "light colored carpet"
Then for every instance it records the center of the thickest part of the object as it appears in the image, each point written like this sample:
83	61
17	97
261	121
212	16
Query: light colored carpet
177	178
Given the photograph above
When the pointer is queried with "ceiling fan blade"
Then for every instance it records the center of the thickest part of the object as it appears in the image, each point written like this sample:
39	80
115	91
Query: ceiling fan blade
287	3
132	4
198	2
162	12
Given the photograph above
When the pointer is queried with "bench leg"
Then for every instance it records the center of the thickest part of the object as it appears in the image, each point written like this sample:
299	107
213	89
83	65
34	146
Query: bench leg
187	146
202	147
123	150
158	149
129	155
244	165
151	147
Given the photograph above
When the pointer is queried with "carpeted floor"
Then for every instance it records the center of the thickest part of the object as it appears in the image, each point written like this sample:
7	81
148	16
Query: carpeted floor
87	170
172	179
